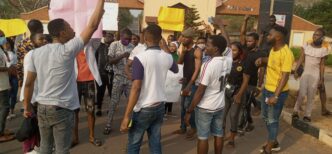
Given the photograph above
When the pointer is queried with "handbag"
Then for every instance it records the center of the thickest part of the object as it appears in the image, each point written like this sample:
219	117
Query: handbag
230	90
28	128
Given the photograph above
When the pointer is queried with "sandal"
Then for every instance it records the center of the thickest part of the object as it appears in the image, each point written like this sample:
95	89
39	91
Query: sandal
6	138
306	119
295	115
107	130
96	142
230	144
326	113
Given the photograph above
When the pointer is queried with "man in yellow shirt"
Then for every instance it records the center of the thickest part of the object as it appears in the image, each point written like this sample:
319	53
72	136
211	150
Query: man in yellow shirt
278	67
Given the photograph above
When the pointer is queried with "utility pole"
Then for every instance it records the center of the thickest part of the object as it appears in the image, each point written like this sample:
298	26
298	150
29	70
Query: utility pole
271	7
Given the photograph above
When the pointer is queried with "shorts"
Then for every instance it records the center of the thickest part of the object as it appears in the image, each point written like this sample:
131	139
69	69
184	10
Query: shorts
208	122
87	91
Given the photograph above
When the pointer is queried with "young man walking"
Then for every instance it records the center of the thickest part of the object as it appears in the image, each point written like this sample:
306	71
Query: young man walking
209	99
53	67
118	53
148	94
279	65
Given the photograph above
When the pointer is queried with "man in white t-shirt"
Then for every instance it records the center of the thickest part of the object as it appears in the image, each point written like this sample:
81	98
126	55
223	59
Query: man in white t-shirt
141	47
148	93
209	99
53	67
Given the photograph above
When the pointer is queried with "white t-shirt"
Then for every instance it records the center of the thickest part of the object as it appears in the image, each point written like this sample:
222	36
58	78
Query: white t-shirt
12	58
211	73
137	50
4	78
54	65
27	61
151	67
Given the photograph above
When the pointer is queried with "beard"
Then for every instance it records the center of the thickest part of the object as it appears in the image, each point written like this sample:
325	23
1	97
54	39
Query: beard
318	42
271	42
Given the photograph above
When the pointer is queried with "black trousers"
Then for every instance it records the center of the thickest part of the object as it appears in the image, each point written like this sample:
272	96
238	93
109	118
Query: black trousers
107	80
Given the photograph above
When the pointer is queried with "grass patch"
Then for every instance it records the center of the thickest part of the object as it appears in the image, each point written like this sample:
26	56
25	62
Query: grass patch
296	52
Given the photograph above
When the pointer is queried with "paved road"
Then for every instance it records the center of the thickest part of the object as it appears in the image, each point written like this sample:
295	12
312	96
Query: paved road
291	140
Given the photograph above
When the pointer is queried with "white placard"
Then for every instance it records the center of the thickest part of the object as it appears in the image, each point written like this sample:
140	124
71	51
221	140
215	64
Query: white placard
110	18
172	85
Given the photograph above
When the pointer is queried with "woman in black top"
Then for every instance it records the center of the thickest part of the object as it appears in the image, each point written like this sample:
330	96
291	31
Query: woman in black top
234	83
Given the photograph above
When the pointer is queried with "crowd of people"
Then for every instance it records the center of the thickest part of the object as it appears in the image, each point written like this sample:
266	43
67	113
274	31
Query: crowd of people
221	81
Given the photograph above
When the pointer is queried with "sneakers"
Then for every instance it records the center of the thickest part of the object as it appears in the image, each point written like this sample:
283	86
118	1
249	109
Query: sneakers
275	148
11	116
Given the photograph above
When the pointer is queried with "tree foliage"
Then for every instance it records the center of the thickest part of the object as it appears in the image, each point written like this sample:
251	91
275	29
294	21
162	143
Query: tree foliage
13	8
125	18
319	13
192	18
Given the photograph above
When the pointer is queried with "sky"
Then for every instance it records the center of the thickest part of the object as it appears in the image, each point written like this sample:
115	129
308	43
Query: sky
135	13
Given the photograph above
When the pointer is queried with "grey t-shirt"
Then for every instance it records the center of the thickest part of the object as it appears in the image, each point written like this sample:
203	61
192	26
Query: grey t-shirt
54	65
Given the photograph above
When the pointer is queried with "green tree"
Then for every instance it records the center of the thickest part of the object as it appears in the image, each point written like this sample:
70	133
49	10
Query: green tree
125	18
192	18
319	13
13	8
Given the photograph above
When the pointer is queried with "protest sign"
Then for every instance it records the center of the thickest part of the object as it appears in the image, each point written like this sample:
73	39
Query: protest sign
171	19
76	13
13	27
110	18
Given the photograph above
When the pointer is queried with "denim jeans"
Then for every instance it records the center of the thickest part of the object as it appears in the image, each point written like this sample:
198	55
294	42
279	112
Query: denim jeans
13	92
4	109
150	120
55	127
271	113
185	104
209	123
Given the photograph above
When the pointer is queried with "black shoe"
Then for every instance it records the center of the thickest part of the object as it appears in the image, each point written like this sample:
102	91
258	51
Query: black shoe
306	119
295	115
99	113
250	127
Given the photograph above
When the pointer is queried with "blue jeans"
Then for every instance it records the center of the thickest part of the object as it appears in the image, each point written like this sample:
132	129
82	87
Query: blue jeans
150	120
209	123
13	92
55	127
271	113
185	104
4	109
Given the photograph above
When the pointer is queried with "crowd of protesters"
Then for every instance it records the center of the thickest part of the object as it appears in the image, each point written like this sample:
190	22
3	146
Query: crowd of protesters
221	81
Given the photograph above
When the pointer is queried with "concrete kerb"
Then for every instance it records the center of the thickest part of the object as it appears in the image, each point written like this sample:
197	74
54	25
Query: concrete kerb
321	134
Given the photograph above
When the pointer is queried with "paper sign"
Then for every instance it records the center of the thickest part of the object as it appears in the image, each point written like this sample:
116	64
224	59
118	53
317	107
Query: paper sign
110	18
76	13
172	85
13	27
280	19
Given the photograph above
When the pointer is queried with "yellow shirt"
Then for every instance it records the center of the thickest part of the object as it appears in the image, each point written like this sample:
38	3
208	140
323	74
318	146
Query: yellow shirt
279	61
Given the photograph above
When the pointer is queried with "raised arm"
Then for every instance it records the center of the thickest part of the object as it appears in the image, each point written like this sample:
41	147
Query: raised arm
93	22
244	30
220	24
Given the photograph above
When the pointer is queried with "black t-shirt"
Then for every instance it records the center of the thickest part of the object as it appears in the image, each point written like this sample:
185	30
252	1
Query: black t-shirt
250	67
236	75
